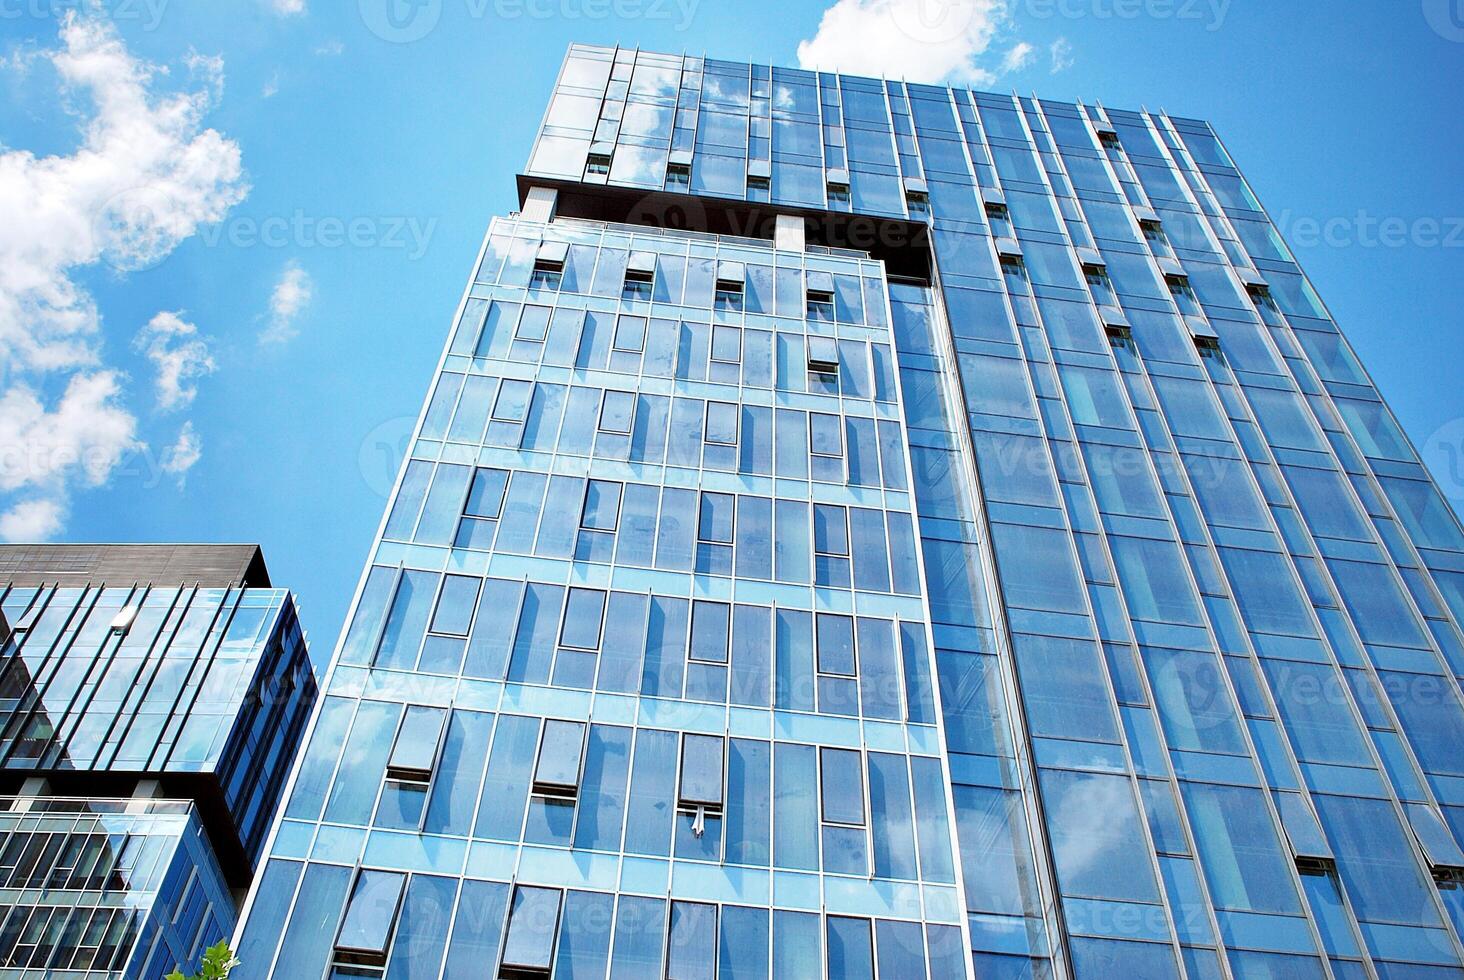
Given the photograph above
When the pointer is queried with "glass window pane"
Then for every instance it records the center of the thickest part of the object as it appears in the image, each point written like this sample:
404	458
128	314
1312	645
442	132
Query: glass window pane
701	770
532	924
371	914
842	793
583	613
559	754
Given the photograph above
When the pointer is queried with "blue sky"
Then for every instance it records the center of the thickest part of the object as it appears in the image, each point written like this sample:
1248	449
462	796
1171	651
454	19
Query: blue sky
234	232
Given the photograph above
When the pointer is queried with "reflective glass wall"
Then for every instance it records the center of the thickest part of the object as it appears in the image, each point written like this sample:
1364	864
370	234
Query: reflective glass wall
106	888
1078	604
640	675
145	736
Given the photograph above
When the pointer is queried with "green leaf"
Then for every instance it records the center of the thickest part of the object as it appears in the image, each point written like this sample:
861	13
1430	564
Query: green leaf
218	962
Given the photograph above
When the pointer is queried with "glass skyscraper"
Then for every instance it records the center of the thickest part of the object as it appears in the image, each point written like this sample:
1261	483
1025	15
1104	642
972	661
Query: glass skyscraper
861	529
151	700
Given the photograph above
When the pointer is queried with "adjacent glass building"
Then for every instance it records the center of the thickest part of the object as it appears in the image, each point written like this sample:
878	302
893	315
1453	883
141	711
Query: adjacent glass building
860	529
152	698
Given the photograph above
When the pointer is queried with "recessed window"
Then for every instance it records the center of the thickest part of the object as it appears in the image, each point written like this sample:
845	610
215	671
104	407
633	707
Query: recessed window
598	164
831	545
842	810
1314	867
1000	218
678	176
1100	285
714	533
1209	347
710	628
616	412
370	919
726	344
728	296
823	355
1013	268
549	266
485	499
701	773
757	184
512	404
630	334
455	603
602	506
1109	139
640	276
821	305
838	194
547	275
557	766
483	507
842	798
533	324
1183	294
826	434
584	615
599	519
730	285
414	753
721	427
835	635
818	291
533	926
715	521
1120	338
917	203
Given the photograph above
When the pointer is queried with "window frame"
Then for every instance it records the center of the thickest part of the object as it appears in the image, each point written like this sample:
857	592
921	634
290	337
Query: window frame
735	412
405	762
559	778
374	955
600	425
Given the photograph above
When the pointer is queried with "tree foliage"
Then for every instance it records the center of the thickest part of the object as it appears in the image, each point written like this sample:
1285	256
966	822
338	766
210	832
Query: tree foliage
217	963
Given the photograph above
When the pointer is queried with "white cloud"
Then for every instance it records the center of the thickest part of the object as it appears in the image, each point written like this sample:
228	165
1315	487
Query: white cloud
1062	55
1019	57
179	356
145	176
31	520
288	8
919	40
292	293
83	436
271	88
331	48
183	454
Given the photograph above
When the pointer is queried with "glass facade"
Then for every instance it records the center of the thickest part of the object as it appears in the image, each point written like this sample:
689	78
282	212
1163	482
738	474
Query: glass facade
146	732
861	530
106	888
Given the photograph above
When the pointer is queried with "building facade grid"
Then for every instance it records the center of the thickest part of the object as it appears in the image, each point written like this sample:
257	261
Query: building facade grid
1072	607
